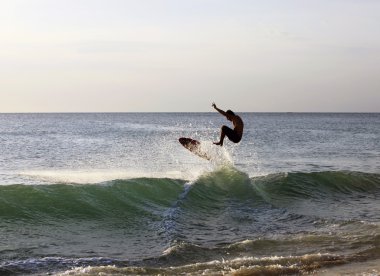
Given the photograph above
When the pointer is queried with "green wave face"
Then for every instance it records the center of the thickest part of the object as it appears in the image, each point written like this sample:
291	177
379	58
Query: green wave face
118	199
215	190
329	195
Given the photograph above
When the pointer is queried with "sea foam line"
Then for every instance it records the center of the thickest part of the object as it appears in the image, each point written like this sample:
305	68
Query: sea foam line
99	176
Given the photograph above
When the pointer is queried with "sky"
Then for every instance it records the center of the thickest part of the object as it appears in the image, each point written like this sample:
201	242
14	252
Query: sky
174	55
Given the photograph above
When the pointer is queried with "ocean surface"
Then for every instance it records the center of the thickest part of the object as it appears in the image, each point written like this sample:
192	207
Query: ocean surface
116	193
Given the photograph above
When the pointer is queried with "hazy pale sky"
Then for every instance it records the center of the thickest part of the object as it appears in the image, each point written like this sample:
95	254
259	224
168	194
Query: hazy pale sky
176	55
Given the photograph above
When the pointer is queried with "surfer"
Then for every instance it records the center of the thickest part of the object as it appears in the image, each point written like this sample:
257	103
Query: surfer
233	134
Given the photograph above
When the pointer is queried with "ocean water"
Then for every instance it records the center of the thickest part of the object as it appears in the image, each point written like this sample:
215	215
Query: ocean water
116	193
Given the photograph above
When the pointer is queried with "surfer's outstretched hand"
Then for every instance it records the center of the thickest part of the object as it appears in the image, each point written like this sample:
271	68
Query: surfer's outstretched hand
213	105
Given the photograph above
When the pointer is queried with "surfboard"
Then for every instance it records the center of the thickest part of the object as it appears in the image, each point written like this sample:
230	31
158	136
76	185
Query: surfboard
195	147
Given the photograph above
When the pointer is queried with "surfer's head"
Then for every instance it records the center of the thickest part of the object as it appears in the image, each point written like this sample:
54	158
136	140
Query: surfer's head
230	114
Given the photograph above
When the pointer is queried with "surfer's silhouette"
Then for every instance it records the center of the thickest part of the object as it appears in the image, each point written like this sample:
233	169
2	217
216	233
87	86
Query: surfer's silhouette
233	134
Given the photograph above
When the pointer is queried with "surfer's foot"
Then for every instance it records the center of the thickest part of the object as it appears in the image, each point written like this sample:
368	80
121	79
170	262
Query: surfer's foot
218	143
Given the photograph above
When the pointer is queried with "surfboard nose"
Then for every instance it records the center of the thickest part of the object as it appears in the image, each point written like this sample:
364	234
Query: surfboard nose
184	141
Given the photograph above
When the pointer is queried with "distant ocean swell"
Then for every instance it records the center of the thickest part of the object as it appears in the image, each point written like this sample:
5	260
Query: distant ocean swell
280	223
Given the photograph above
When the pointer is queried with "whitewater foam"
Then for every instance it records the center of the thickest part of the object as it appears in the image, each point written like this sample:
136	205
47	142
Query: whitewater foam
99	176
237	266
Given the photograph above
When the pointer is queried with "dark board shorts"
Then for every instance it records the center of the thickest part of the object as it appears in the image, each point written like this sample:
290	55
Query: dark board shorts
231	134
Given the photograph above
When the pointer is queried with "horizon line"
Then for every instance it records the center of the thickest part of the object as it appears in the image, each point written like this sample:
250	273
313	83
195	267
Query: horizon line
150	112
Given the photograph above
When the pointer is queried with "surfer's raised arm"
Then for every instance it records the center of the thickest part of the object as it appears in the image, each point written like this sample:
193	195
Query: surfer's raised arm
219	110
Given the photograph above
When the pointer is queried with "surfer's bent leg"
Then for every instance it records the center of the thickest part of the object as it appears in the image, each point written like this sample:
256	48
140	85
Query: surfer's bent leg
230	133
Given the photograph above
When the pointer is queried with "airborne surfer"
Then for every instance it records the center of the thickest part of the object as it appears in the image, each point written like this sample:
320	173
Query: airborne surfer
233	134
